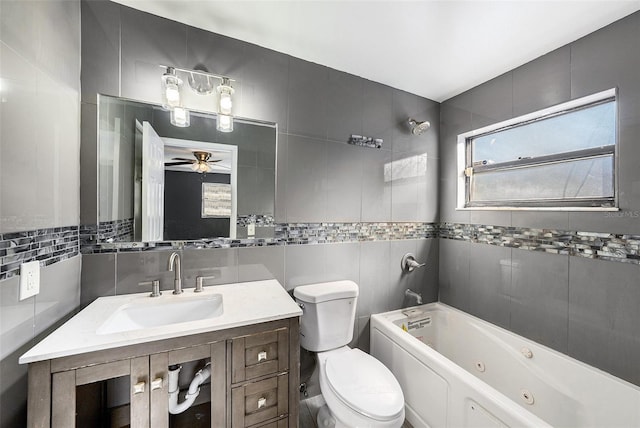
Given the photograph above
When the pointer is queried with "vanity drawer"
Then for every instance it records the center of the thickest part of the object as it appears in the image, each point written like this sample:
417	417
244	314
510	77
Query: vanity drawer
280	423
260	354
258	402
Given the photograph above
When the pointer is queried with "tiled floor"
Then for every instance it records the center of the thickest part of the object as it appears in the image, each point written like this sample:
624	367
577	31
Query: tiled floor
309	412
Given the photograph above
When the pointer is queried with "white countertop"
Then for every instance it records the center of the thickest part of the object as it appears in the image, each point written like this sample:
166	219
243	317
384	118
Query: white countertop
244	303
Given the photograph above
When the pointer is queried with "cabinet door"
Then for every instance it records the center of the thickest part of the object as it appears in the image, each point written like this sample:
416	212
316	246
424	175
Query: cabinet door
76	394
210	405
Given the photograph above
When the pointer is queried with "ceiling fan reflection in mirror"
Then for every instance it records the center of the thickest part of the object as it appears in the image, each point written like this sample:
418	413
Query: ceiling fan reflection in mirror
199	164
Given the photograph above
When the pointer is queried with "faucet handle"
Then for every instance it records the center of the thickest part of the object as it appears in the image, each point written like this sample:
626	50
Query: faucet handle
200	282
155	287
409	263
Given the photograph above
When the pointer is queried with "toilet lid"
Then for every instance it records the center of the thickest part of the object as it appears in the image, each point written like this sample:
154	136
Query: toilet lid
364	384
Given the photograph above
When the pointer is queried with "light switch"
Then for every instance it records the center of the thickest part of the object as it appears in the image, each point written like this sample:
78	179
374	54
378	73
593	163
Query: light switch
29	279
251	229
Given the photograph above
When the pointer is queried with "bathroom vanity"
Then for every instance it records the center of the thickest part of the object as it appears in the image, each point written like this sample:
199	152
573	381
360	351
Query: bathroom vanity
252	343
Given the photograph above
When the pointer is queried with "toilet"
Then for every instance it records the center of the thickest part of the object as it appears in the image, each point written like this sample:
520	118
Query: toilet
358	389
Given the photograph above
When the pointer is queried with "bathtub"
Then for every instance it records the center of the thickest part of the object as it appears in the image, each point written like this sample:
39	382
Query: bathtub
459	371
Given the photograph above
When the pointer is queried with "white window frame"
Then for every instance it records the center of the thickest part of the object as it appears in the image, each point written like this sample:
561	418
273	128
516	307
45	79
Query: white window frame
463	152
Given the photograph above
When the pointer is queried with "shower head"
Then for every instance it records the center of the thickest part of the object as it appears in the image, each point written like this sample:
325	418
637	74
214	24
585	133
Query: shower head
418	128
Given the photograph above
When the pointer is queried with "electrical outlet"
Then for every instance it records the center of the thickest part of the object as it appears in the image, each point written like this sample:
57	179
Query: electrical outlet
251	229
29	279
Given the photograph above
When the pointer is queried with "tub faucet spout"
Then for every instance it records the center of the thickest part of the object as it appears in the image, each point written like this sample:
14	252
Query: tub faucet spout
413	294
174	265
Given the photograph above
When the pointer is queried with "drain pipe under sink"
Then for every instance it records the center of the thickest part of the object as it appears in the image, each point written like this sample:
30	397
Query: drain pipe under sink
194	389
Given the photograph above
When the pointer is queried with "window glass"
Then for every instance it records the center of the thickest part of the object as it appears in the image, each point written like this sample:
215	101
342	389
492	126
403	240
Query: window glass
581	129
585	178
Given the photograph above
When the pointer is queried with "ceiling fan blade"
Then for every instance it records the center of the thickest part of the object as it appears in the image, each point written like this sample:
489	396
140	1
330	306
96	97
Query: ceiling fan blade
184	159
177	163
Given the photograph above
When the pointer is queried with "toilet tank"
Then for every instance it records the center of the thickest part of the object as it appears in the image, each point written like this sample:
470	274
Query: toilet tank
328	314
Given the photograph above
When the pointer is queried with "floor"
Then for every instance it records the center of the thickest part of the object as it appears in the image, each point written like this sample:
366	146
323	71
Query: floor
309	412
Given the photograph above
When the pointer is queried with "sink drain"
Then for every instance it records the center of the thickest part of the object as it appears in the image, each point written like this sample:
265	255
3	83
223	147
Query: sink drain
526	396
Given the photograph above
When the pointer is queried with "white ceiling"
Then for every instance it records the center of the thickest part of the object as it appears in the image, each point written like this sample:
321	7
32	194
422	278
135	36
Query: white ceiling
436	49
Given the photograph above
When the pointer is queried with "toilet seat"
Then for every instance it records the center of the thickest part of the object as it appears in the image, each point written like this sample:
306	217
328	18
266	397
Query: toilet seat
364	384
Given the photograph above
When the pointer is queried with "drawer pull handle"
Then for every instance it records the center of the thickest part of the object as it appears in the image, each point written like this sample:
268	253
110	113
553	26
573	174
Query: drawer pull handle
262	402
262	356
138	388
156	384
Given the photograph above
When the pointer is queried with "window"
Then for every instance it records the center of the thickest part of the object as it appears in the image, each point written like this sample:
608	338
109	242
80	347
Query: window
563	156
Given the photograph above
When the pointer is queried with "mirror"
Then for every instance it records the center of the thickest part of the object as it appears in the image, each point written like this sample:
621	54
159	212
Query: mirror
158	182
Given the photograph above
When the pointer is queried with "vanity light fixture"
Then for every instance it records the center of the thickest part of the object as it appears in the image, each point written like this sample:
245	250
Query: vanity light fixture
200	82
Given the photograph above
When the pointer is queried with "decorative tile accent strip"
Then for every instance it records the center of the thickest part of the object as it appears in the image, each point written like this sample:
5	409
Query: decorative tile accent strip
593	245
285	234
603	246
88	235
257	219
107	231
48	246
321	233
116	230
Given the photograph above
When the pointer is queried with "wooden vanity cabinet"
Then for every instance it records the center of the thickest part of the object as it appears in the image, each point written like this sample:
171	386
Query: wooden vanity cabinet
254	379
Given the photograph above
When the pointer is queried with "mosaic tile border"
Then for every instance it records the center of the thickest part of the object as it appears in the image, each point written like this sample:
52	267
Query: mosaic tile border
107	231
287	234
53	245
48	246
326	233
623	248
258	219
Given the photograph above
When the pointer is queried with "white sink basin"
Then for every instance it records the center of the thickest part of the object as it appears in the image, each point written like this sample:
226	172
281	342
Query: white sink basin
159	311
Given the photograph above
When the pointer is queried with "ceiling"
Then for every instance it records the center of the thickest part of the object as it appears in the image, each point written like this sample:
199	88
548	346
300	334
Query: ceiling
436	49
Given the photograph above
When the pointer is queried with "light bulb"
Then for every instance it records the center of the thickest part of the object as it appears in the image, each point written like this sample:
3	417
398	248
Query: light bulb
225	123
180	117
200	167
225	102
171	89
172	95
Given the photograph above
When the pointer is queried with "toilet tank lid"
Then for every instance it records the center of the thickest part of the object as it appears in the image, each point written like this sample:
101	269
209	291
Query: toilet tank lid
325	291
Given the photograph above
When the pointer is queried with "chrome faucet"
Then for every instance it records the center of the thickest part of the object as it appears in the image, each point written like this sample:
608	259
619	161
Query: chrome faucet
174	261
413	294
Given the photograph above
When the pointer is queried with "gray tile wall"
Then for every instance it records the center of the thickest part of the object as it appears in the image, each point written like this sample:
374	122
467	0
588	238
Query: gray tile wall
39	175
583	307
320	178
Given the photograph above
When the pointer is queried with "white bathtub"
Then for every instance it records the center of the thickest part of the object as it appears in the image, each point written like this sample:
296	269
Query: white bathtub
459	371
